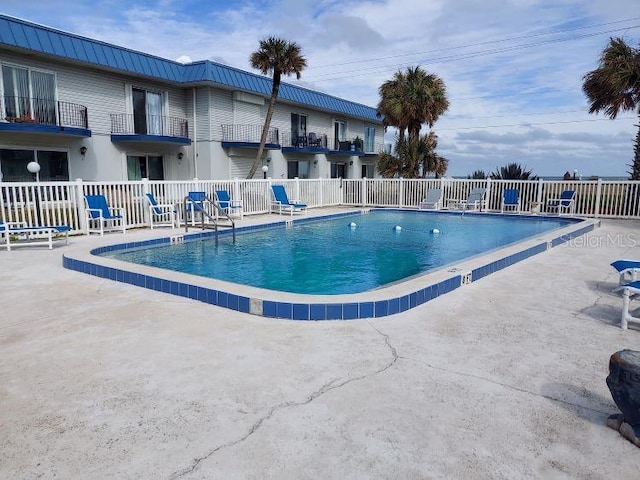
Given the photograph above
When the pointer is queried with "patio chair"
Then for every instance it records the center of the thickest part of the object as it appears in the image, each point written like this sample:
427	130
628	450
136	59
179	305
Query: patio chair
229	206
314	140
433	200
565	203
281	202
99	215
160	215
475	200
510	200
627	269
22	234
629	292
195	203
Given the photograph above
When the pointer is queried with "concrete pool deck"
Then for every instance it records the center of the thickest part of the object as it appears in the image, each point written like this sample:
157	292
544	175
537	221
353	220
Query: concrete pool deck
502	378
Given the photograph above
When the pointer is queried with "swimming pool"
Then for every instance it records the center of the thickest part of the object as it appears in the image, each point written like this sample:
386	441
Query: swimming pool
346	254
389	299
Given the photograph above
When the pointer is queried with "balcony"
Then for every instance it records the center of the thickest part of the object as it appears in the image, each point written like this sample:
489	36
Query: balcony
42	116
320	143
149	129
248	136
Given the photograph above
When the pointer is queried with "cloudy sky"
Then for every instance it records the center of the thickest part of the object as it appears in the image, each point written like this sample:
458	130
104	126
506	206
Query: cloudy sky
513	68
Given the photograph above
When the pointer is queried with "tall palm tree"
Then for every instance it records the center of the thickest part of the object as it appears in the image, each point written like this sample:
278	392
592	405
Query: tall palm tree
278	57
410	99
614	86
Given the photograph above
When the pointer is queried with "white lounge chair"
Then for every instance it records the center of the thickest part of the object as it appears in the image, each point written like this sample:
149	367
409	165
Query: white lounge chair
510	200
627	269
100	217
22	234
160	215
566	203
629	292
281	203
475	200
433	200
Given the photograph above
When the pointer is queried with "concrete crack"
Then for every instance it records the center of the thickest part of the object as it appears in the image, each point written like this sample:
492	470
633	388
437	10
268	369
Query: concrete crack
507	386
327	387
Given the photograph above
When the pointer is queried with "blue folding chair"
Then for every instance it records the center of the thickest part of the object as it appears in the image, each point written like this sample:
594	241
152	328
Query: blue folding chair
510	200
229	206
565	203
160	215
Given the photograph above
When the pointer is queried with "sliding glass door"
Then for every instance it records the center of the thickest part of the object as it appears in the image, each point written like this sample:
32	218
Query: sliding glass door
147	112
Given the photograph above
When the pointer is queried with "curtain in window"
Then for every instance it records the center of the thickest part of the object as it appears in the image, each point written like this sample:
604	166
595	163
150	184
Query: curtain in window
134	167
44	96
369	139
16	91
154	113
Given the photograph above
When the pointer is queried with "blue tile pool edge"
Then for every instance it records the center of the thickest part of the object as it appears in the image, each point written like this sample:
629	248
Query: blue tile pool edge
303	311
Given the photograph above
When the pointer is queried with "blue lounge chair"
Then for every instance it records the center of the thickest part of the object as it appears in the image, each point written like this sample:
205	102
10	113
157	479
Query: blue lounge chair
101	217
510	200
629	292
475	200
565	203
160	215
32	235
231	207
627	269
433	199
281	202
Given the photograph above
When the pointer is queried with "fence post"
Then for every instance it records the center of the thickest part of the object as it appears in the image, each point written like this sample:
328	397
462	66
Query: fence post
296	182
539	192
598	195
400	192
363	191
487	196
322	192
79	194
236	188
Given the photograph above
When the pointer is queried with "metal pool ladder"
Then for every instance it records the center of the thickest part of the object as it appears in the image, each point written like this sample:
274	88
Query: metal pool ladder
194	206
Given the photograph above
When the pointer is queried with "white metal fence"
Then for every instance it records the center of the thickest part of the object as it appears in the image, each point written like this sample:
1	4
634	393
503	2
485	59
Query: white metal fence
53	203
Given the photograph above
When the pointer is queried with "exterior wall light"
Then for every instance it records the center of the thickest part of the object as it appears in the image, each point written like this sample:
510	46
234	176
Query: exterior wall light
83	151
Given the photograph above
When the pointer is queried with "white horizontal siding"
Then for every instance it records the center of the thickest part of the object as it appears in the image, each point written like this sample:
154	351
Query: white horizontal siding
221	111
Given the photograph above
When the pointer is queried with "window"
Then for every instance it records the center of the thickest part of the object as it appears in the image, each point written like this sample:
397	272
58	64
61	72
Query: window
147	112
338	170
29	94
54	165
145	166
369	139
299	169
339	133
367	171
298	130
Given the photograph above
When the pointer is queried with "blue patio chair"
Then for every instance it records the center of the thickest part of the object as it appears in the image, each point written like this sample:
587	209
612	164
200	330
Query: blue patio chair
230	207
433	199
25	234
475	200
160	215
510	200
630	291
281	202
628	270
101	217
565	203
195	203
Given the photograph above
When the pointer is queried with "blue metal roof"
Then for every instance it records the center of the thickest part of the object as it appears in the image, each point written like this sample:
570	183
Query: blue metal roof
25	35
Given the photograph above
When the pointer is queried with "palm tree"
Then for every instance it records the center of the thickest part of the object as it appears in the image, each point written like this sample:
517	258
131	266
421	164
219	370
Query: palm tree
614	86
478	175
413	156
410	99
512	171
279	57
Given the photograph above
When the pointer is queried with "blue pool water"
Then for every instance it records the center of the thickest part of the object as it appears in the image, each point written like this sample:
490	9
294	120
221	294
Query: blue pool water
328	257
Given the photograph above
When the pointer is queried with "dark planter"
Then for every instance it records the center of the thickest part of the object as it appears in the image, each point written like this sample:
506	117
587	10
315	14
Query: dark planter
624	384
